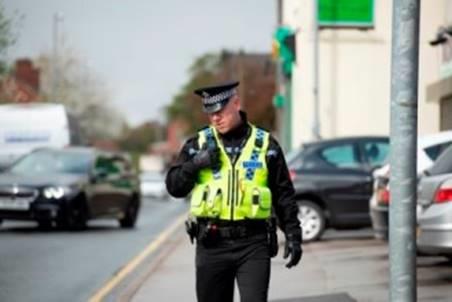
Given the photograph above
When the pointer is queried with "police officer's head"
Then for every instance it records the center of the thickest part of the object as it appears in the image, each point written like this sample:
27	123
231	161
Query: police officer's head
222	105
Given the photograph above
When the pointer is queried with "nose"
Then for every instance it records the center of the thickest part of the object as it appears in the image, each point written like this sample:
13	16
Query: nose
215	116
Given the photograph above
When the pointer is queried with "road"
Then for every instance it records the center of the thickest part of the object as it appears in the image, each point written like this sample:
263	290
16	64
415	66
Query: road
71	266
59	265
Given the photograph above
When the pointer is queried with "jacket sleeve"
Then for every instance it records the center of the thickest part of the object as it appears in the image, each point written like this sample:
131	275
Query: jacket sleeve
181	176
283	193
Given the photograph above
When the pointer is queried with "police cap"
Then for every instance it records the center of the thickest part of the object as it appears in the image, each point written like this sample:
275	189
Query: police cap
214	98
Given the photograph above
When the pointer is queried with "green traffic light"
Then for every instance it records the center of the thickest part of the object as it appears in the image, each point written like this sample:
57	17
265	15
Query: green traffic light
285	38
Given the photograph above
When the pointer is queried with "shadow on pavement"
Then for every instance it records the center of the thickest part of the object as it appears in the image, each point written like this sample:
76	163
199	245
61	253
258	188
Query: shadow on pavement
338	235
338	297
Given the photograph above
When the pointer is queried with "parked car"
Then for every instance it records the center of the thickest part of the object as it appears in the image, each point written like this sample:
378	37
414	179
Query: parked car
333	182
379	203
434	234
69	186
428	150
153	185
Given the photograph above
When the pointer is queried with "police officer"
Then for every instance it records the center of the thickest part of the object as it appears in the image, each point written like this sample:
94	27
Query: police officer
238	179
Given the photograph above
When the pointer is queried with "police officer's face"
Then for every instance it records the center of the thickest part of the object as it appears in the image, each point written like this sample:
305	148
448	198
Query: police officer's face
228	117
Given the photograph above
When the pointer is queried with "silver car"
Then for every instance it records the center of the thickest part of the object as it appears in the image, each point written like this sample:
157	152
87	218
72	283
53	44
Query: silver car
435	199
429	148
153	185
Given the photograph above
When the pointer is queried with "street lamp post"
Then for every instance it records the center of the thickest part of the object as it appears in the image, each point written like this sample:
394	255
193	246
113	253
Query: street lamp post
57	18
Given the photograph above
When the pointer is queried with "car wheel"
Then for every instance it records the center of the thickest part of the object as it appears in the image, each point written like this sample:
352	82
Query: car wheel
312	220
131	214
76	216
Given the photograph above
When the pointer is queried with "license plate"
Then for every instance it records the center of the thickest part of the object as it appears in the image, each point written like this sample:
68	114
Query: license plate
15	204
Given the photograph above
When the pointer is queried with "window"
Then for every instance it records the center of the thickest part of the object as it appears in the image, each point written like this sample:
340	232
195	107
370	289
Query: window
443	165
376	152
434	151
105	164
295	159
342	156
121	164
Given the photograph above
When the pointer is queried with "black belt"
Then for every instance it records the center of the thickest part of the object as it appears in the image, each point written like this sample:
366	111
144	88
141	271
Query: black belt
251	223
234	229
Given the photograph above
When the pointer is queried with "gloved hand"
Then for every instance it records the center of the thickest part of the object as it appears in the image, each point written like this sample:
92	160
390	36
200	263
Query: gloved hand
292	248
206	158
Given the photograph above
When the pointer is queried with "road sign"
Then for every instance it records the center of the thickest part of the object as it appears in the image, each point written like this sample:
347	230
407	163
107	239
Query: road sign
346	13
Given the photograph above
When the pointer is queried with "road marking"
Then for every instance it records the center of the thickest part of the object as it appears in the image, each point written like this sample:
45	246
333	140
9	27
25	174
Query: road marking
129	267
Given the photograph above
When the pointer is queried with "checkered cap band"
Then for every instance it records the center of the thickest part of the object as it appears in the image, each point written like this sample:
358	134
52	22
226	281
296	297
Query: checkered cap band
212	100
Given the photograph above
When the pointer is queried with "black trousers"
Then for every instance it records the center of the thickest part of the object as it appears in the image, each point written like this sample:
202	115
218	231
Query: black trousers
218	265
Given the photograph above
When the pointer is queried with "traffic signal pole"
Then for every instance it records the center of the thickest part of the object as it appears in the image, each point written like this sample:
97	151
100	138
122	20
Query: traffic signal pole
288	112
403	180
285	55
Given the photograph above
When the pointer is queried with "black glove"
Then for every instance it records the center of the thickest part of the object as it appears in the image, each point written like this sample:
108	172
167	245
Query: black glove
206	158
292	248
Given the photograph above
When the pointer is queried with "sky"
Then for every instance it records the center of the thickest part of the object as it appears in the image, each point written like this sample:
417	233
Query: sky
142	49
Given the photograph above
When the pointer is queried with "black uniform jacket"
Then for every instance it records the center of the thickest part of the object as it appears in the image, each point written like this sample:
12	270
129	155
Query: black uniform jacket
181	177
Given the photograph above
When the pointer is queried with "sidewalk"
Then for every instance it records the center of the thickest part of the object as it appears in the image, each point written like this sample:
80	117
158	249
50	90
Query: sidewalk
340	269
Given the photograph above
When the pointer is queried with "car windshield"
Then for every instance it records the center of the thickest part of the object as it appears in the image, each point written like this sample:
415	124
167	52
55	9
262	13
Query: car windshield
53	161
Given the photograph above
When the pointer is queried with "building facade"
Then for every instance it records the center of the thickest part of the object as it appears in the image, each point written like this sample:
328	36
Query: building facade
355	71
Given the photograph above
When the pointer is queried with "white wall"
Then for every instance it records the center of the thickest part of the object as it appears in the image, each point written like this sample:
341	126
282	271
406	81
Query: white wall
355	72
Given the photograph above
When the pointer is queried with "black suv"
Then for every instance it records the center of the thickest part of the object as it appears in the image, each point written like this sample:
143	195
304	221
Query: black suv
333	182
70	186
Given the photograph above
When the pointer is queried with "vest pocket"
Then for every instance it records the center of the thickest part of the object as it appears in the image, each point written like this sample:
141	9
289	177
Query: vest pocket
257	202
206	201
213	206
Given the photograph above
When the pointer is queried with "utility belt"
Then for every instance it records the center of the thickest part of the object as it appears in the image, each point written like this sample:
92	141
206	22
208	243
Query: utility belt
232	229
211	232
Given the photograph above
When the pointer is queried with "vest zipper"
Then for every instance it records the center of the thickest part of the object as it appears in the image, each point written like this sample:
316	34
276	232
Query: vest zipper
233	191
237	188
235	181
234	184
229	188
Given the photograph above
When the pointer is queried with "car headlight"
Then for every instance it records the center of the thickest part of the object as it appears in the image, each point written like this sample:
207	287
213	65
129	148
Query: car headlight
56	192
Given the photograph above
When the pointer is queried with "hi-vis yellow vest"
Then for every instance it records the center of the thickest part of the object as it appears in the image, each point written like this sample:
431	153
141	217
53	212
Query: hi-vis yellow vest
237	190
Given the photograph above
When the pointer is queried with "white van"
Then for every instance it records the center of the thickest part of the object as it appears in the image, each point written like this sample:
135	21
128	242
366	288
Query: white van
24	127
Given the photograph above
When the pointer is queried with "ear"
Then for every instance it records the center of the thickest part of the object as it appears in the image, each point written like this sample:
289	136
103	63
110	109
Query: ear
236	102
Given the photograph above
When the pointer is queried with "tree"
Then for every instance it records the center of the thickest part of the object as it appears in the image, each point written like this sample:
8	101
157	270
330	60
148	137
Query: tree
140	138
82	93
256	74
7	36
185	104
